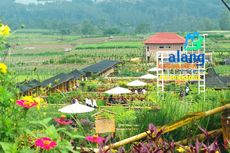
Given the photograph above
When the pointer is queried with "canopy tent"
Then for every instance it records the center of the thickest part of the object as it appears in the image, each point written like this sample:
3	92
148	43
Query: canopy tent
148	77
76	108
118	90
155	69
136	83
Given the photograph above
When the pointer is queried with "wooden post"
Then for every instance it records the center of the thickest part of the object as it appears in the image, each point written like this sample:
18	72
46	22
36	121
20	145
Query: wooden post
225	121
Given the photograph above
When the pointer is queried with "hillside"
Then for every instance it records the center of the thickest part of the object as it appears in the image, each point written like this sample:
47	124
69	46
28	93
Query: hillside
119	16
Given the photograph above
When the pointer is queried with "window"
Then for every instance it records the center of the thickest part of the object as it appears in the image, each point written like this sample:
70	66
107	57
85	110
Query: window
169	46
161	46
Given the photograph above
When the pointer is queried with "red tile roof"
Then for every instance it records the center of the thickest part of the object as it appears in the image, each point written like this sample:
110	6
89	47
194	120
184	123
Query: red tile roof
165	38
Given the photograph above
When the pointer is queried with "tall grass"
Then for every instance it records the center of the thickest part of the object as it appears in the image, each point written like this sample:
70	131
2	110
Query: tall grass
173	109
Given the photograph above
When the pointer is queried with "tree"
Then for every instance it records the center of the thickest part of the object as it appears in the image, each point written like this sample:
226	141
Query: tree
112	31
64	32
225	21
87	28
142	28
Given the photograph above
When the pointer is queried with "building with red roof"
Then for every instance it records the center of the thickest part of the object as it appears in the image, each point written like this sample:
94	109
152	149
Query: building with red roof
162	41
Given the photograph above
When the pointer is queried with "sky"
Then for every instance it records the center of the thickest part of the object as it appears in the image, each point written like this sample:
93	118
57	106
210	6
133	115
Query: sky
32	1
41	1
26	1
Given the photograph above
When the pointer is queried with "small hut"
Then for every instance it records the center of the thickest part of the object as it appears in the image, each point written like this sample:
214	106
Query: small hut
103	68
58	83
29	88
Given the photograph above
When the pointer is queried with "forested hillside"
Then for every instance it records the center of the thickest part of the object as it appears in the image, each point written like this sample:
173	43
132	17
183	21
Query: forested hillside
118	16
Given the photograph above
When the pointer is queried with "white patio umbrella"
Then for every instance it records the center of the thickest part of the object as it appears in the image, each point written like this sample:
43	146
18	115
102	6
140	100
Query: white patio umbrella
148	77
117	91
154	69
76	108
136	83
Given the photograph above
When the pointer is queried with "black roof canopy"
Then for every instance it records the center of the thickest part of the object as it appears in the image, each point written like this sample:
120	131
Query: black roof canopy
56	80
101	66
227	61
225	79
28	85
76	74
213	80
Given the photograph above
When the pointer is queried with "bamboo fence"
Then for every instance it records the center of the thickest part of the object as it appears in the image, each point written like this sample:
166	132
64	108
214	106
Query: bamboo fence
168	128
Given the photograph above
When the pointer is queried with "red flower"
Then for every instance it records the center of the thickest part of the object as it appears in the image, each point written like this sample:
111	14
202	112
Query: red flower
63	121
45	143
95	139
26	104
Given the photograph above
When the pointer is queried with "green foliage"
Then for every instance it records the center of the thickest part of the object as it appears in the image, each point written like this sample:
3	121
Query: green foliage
225	21
100	103
60	135
112	31
103	15
142	28
223	70
8	147
173	109
92	87
57	98
107	45
123	116
87	28
71	59
122	83
11	117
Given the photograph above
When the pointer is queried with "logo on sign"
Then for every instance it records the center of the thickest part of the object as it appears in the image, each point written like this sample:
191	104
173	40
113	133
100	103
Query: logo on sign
189	58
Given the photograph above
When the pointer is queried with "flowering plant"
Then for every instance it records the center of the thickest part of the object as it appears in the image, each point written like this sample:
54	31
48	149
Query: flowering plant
63	121
29	102
26	104
95	139
3	68
156	144
4	32
45	143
